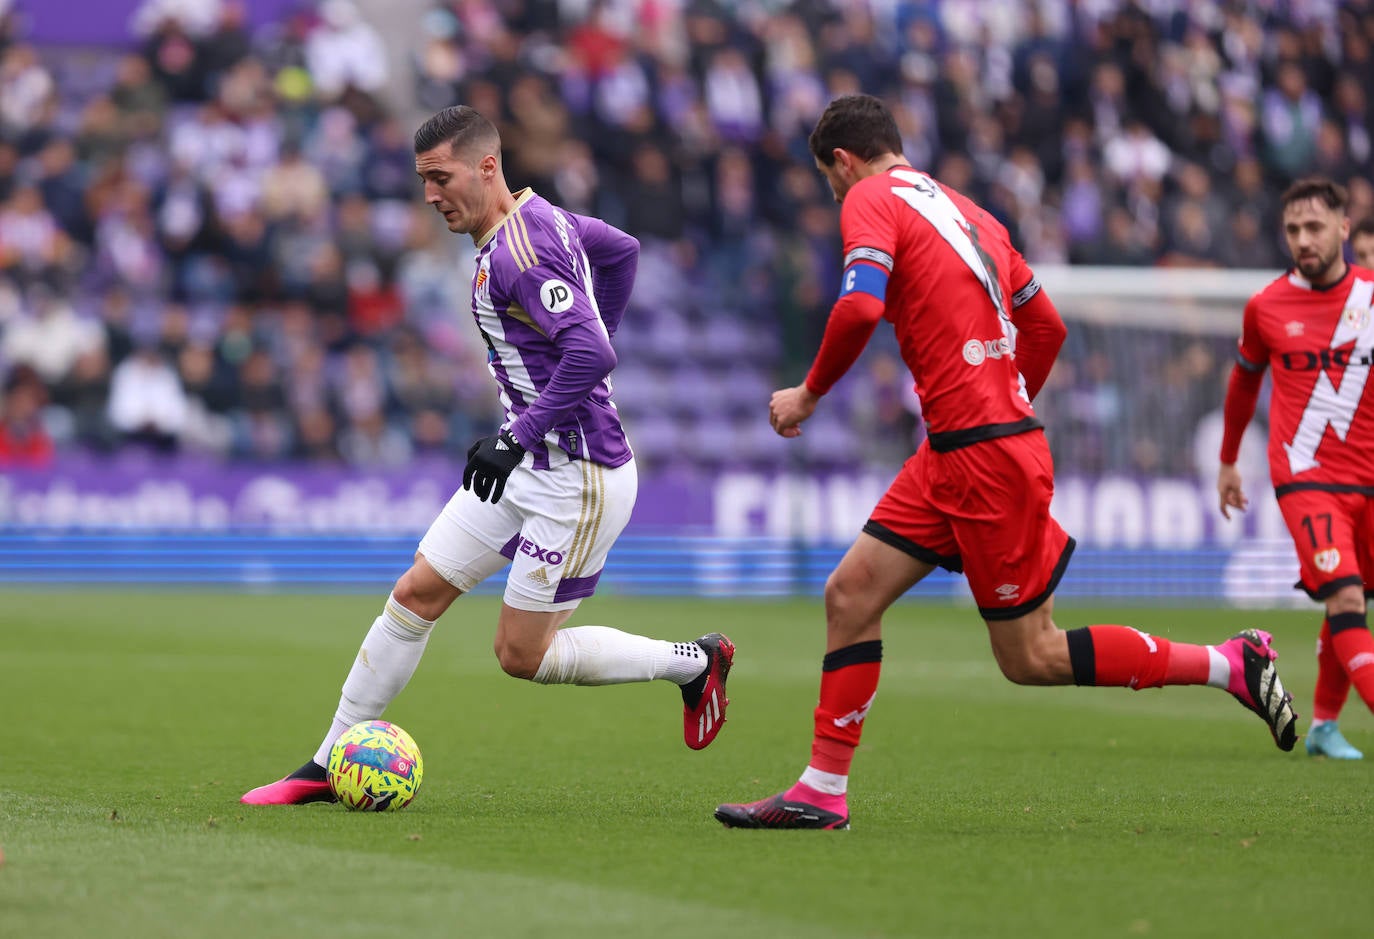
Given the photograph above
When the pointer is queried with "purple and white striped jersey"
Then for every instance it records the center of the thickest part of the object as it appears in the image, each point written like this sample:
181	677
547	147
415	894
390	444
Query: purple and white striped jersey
540	271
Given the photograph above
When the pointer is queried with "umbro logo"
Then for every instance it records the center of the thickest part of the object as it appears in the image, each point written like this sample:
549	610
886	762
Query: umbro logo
1293	327
1008	592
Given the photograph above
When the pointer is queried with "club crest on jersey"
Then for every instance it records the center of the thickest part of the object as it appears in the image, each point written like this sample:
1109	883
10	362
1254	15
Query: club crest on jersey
481	285
1327	560
555	295
1356	317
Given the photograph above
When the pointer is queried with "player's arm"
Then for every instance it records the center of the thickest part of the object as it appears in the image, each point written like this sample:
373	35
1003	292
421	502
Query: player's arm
615	259
1242	396
585	356
868	226
852	321
555	302
1040	330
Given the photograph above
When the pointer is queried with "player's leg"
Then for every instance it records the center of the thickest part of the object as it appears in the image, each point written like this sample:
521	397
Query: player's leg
451	560
872	575
1333	683
902	543
1015	554
572	515
1325	527
1032	650
1324	737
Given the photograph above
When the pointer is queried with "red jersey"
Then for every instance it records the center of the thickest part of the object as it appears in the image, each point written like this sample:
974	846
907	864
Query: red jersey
954	280
1319	342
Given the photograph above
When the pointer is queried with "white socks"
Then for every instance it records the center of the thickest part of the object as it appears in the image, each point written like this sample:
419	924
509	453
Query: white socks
579	655
600	655
384	664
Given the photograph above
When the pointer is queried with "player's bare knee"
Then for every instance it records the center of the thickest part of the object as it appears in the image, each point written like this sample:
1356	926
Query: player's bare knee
517	660
423	592
409	594
1346	600
846	597
1011	662
1022	670
1030	663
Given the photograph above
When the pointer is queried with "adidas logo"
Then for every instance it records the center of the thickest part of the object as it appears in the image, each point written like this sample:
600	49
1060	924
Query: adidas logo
709	717
501	444
540	576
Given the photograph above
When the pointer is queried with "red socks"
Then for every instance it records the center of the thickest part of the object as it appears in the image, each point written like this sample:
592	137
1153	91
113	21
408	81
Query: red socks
1354	647
849	680
1333	684
1122	656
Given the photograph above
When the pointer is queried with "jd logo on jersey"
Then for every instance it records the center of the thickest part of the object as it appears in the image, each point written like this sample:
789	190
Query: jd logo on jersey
555	295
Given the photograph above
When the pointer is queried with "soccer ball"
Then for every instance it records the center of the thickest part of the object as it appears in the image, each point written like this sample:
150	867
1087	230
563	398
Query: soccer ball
375	767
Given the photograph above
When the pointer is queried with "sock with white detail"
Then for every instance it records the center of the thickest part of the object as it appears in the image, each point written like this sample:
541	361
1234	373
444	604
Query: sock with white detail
600	655
1218	669
385	662
830	783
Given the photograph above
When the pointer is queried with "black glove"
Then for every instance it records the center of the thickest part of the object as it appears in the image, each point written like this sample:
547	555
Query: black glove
490	461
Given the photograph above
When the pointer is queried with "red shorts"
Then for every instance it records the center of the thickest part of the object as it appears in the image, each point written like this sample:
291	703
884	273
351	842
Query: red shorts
1334	535
983	509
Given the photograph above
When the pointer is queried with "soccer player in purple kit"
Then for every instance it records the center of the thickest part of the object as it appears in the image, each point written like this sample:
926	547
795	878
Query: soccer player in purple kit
550	492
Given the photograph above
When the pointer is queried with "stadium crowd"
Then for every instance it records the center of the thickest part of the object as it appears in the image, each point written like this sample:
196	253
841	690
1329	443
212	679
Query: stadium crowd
211	240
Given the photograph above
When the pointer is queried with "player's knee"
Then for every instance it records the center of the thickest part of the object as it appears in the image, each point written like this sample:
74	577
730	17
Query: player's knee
423	592
1347	600
1021	671
846	597
518	660
1026	664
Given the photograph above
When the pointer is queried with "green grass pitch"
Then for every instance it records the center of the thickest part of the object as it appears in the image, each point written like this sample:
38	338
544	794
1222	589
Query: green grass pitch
980	809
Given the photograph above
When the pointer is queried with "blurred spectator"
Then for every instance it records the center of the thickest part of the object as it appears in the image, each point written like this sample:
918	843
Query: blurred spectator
344	52
140	100
49	338
24	443
147	403
26	90
79	401
293	188
1290	118
1362	242
33	247
234	191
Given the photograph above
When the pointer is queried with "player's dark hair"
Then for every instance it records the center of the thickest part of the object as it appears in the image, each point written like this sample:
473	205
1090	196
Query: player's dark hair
1328	193
461	127
861	124
1364	226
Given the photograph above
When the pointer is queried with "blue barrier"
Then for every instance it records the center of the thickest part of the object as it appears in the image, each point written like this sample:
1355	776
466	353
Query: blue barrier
648	565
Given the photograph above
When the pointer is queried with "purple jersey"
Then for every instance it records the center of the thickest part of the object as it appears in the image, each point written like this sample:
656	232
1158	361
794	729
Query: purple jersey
533	281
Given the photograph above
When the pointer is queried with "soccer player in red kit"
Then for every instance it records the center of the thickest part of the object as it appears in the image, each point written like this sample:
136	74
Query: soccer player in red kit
979	336
1315	327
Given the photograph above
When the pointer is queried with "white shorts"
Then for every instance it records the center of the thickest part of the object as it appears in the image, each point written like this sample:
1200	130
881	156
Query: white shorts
554	527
